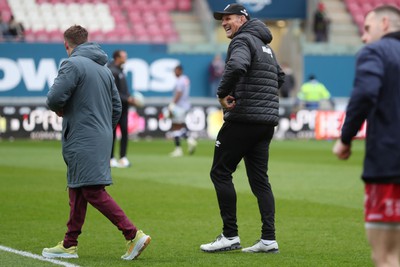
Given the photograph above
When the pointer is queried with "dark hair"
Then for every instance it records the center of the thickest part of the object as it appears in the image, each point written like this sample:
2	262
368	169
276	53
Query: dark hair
76	35
117	53
179	67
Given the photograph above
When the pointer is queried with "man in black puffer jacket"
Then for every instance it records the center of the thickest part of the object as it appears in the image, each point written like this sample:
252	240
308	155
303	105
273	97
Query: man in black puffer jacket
248	94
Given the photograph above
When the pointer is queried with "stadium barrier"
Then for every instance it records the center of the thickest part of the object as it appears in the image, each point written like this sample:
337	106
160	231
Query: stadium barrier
30	120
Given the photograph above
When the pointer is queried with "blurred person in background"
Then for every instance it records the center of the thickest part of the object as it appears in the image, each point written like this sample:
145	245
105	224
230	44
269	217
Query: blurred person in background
288	87
16	30
215	71
321	24
116	67
178	109
3	28
376	98
85	95
312	94
248	94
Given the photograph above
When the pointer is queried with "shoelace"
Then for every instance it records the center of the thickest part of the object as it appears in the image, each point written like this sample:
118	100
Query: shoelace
218	238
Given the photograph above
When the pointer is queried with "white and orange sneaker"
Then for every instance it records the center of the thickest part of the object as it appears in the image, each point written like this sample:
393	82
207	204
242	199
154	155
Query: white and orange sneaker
136	246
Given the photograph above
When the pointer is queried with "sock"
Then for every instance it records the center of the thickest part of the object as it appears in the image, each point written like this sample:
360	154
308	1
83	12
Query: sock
177	141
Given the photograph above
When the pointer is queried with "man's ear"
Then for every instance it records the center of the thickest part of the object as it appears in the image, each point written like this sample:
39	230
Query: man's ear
243	19
385	23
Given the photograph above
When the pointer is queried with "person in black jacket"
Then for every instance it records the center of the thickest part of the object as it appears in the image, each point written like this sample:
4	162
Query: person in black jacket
248	94
321	24
376	98
119	58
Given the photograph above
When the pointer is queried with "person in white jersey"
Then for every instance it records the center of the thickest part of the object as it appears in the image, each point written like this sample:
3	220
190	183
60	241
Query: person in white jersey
178	109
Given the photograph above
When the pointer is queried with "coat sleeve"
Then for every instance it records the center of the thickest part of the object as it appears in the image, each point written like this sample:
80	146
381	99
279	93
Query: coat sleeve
282	75
367	83
236	66
116	105
63	87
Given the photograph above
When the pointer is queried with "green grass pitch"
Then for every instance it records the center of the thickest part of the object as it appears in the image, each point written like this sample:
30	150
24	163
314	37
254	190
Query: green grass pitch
319	214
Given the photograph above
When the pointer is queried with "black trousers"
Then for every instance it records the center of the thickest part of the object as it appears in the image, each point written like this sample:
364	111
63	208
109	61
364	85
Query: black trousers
123	124
250	142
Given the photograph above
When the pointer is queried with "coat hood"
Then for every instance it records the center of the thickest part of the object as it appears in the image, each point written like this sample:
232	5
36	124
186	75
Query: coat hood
258	29
91	51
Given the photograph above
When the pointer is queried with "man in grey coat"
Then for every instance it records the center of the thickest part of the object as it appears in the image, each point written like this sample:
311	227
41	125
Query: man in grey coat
85	95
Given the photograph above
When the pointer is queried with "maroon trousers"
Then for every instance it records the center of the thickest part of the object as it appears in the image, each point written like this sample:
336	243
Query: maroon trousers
98	197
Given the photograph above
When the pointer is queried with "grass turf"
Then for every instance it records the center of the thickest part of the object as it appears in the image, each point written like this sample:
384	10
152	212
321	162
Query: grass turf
319	218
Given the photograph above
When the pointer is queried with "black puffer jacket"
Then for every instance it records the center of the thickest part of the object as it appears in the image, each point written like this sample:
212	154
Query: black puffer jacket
252	75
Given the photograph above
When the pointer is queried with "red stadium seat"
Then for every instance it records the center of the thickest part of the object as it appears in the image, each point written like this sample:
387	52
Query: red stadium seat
170	5
185	5
97	36
135	17
143	38
158	39
164	18
55	36
154	30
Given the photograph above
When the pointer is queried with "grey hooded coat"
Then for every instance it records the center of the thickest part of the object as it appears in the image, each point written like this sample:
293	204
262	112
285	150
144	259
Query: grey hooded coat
85	93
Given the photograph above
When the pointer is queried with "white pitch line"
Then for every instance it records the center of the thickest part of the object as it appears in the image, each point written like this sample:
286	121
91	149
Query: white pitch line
37	257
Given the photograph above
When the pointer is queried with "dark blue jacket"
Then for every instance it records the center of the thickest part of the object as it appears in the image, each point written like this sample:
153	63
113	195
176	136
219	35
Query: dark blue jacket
376	98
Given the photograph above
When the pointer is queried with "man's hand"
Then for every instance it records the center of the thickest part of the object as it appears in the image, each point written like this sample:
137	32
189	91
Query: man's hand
131	101
342	151
60	113
228	102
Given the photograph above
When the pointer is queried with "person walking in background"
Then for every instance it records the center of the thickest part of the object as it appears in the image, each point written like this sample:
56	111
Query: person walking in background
312	93
289	85
375	98
215	70
85	95
16	30
321	24
116	67
178	109
3	28
248	94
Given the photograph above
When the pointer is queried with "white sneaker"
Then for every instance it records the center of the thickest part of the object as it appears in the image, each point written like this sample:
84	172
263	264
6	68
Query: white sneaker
192	144
177	152
261	247
124	163
222	244
113	163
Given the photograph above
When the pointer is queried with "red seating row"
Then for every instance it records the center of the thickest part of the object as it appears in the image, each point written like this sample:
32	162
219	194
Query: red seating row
135	20
98	36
